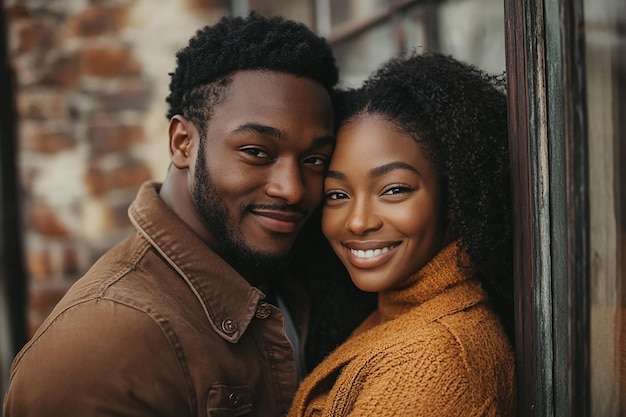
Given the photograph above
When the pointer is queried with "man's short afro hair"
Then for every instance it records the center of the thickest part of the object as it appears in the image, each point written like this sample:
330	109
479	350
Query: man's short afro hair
247	43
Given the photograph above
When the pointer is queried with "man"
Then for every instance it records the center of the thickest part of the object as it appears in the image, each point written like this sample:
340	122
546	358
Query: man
187	316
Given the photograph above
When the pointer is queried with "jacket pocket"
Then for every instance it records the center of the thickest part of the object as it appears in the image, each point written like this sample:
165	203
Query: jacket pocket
227	401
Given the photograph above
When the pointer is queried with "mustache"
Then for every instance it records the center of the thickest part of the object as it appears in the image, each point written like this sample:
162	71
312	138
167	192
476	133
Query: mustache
287	208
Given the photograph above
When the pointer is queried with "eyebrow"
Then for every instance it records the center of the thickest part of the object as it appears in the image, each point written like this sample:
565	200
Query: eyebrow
384	169
259	128
377	171
278	134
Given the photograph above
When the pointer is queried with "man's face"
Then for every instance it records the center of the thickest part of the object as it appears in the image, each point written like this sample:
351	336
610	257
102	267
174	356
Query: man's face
259	169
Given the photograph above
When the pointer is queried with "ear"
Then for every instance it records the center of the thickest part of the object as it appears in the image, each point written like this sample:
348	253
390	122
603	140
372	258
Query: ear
182	135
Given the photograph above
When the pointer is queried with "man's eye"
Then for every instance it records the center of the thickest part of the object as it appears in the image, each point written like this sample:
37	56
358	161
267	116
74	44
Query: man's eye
336	195
256	152
316	160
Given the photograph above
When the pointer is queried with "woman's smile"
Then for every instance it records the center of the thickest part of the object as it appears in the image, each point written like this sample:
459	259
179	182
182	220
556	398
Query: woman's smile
369	255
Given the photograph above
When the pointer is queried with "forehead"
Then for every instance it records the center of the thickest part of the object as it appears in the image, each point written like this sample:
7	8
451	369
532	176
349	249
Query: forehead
371	140
272	98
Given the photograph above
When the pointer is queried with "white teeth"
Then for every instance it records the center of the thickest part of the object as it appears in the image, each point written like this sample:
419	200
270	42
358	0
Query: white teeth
369	253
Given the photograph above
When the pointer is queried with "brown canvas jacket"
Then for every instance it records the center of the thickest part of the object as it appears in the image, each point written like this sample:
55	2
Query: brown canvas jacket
159	326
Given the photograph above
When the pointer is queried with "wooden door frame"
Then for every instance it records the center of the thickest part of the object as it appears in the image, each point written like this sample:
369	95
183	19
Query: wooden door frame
548	141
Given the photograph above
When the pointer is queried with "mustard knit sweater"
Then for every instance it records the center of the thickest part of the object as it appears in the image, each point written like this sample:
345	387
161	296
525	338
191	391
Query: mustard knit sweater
432	348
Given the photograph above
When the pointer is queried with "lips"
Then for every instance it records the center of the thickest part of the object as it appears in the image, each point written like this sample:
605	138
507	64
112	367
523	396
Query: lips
279	221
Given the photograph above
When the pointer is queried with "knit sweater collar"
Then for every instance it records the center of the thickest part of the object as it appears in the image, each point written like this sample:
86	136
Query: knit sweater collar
435	277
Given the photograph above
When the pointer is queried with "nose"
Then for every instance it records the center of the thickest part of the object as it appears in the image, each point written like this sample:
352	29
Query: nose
286	182
362	218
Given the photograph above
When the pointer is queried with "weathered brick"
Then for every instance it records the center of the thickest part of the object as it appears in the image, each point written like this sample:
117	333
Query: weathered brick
35	36
42	104
118	213
16	12
64	72
203	5
38	263
105	137
97	20
68	261
130	174
48	142
131	94
43	219
104	216
112	61
28	176
42	299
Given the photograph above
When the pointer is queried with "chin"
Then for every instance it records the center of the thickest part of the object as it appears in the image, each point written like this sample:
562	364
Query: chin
267	260
367	284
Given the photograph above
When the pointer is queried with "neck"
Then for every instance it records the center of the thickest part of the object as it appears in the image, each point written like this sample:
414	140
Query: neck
254	276
439	274
176	194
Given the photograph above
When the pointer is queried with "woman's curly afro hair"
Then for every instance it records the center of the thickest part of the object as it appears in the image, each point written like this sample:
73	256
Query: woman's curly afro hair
458	115
244	43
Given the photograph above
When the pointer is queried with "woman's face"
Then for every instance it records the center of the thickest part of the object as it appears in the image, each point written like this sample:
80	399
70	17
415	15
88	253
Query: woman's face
383	212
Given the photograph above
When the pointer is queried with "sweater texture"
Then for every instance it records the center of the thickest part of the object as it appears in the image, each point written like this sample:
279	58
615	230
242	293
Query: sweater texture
432	348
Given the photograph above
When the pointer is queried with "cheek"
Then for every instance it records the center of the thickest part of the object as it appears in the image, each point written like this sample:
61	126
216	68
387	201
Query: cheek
414	220
331	222
314	185
238	180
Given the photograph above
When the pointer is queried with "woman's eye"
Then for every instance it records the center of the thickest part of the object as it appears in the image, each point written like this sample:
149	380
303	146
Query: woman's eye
256	152
398	189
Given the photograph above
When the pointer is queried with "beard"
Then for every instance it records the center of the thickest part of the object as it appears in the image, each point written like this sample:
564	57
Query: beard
216	217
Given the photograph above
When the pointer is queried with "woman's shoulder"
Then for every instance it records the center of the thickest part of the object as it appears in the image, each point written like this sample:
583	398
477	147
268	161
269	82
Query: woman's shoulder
468	335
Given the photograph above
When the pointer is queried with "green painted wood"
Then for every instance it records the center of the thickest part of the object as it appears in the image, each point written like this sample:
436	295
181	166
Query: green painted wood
520	85
545	70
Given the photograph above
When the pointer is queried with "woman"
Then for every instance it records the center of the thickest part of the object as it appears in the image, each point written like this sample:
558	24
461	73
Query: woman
418	210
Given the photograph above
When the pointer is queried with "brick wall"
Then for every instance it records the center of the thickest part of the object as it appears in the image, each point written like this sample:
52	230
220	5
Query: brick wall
91	84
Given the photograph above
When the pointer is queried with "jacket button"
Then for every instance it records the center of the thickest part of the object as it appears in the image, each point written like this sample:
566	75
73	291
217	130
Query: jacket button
233	399
263	311
229	326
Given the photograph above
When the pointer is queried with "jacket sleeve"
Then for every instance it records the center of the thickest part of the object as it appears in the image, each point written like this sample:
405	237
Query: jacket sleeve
98	358
425	378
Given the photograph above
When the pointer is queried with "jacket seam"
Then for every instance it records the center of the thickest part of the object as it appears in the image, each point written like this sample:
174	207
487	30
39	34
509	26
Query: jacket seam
129	267
170	334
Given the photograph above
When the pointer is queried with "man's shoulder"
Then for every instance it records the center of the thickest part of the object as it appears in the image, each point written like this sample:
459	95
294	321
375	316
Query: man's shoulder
97	350
116	291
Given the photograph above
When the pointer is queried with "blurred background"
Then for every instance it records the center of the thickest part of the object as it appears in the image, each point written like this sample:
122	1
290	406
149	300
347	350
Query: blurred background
82	125
83	90
90	88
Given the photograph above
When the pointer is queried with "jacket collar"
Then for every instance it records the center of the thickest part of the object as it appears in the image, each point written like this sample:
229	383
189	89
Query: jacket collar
228	300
